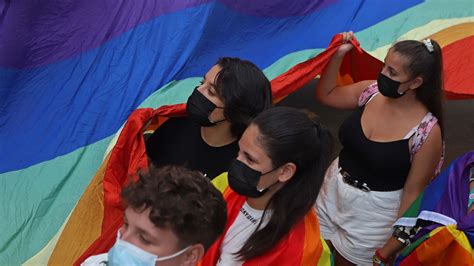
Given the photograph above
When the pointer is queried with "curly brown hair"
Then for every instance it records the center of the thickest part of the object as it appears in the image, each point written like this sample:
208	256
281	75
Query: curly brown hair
182	200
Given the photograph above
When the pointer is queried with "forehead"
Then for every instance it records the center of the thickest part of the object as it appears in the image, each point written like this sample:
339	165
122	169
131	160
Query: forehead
250	143
396	61
141	220
212	73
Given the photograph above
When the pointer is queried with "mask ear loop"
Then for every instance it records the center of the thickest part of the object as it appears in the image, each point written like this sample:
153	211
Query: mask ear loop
401	93
265	189
173	255
218	121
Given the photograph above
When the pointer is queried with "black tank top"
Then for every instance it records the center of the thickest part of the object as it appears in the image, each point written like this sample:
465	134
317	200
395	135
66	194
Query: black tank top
384	166
178	142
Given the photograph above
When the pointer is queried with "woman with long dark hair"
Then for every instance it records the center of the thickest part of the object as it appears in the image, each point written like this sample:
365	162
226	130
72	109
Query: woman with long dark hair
392	148
229	96
273	184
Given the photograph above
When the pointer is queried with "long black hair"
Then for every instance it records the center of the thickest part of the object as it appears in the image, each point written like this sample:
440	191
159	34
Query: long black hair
429	65
245	91
290	135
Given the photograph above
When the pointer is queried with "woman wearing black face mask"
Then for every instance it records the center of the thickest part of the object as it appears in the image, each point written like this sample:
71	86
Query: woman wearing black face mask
392	147
231	93
273	184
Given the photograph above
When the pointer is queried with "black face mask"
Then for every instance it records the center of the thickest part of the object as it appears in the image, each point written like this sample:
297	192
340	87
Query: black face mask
244	180
389	87
199	108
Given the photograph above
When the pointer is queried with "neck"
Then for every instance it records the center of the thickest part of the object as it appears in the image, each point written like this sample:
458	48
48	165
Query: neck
218	135
259	203
405	102
262	202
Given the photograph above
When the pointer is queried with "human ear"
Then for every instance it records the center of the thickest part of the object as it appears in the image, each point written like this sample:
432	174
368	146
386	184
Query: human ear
286	172
416	83
193	255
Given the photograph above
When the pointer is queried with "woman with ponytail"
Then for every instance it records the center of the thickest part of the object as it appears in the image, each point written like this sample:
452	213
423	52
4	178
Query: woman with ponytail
392	147
273	184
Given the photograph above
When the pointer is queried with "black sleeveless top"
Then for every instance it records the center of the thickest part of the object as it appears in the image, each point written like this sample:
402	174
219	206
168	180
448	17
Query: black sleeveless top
384	166
178	142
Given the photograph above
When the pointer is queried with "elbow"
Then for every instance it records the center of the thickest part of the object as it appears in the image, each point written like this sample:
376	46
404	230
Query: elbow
322	95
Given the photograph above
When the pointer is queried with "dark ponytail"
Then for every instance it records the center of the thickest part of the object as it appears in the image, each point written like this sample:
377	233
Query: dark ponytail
429	65
290	135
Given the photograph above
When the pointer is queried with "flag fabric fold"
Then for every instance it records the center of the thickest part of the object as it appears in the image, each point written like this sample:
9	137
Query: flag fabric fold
449	236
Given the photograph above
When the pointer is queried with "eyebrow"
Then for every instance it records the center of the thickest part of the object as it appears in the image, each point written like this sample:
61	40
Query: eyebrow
149	236
393	70
389	67
141	231
250	157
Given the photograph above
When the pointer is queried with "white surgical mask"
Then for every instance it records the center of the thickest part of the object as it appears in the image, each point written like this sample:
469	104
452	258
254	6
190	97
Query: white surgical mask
125	253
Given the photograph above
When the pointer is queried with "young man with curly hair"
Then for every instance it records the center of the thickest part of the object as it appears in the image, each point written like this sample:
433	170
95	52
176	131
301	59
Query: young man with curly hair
172	216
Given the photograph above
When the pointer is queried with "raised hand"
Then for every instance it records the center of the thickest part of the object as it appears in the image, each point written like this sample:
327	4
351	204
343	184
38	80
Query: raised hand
346	46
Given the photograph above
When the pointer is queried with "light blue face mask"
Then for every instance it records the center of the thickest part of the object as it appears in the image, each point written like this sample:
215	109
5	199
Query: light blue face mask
124	253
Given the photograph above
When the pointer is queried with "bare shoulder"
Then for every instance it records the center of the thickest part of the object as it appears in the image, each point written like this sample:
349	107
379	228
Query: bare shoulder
432	147
435	134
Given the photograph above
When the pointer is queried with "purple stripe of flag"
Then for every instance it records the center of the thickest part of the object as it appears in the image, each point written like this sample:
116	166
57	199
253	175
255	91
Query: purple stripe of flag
277	8
35	33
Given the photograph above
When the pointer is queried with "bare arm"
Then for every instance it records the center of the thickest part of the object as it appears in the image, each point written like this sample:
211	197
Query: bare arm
327	91
422	169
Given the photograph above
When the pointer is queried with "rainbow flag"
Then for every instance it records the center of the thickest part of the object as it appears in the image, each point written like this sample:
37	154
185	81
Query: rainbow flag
128	156
303	245
72	72
450	238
